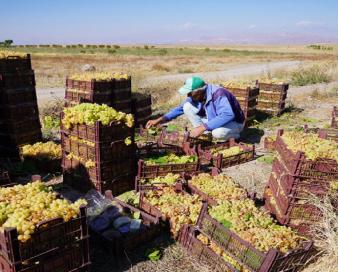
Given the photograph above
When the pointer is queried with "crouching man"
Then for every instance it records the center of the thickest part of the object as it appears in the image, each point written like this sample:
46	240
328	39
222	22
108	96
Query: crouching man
209	108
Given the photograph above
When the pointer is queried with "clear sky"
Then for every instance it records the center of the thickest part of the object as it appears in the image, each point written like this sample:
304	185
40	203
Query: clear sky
181	21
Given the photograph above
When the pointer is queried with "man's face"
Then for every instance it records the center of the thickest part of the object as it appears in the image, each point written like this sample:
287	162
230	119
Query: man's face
198	95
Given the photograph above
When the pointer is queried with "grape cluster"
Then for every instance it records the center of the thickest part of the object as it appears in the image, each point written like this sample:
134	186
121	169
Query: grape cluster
130	197
228	152
219	188
41	151
24	206
255	226
310	143
170	158
99	76
169	179
89	113
82	141
178	207
87	163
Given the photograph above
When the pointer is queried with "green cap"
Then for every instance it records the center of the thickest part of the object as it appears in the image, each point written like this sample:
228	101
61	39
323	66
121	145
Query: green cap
191	83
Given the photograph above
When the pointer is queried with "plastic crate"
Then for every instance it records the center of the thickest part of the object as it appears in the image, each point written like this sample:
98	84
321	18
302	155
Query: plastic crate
269	87
92	85
297	164
98	132
202	252
19	112
17	80
334	122
23	125
100	152
81	96
328	133
45	165
13	64
17	139
263	105
219	161
246	254
50	237
247	93
272	96
74	258
245	104
150	229
18	96
101	171
124	106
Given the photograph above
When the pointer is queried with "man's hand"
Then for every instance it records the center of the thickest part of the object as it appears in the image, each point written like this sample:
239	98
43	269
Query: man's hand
153	123
196	132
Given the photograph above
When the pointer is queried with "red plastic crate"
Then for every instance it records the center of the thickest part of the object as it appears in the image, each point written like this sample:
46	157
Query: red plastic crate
21	126
329	133
269	87
269	144
272	96
100	152
19	112
92	85
297	164
263	105
246	254
13	64
124	106
17	139
99	133
201	252
219	161
102	97
50	238
334	122
247	93
17	80
18	96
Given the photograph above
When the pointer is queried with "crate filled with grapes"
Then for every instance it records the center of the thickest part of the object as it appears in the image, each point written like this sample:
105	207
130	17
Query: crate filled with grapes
227	154
12	62
160	161
307	155
113	89
122	227
167	180
269	143
38	225
98	146
329	133
251	239
171	204
45	157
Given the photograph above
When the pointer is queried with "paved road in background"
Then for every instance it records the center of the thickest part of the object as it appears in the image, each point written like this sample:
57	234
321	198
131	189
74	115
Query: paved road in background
46	95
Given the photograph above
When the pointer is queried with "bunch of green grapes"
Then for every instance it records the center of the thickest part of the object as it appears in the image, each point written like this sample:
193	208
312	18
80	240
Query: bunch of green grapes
169	179
219	188
41	151
24	206
130	197
89	113
82	141
87	163
219	251
255	226
238	84
228	152
99	76
170	158
179	208
311	144
8	53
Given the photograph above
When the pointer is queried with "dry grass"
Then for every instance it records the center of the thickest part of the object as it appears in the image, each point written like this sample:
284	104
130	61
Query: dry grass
325	234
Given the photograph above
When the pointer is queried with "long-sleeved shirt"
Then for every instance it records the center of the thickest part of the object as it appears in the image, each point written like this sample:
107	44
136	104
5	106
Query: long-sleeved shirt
219	112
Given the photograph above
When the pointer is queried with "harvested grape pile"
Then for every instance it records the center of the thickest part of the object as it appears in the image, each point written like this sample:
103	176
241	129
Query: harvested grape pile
170	158
219	188
228	152
39	150
99	76
169	179
24	206
180	208
7	53
88	113
311	144
238	84
255	226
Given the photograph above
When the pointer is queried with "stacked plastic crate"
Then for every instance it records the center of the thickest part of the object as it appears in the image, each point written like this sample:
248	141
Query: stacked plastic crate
141	108
97	156
271	99
246	96
114	92
334	122
294	180
19	114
